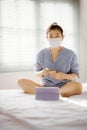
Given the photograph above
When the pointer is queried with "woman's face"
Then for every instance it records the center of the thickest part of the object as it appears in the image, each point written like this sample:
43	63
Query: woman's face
55	38
55	34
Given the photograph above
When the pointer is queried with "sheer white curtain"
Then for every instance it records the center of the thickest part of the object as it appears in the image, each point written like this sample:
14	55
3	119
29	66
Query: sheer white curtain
23	25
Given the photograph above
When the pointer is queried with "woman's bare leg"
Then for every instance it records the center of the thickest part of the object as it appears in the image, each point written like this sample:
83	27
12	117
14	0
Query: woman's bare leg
28	85
71	88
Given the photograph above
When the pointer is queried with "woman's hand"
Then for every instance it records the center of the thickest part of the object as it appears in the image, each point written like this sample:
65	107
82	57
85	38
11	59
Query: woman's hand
45	72
60	76
52	73
42	73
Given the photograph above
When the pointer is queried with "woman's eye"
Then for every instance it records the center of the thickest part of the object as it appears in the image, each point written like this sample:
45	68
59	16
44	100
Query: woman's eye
54	36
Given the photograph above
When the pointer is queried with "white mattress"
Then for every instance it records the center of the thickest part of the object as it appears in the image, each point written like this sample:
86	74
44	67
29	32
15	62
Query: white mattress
19	111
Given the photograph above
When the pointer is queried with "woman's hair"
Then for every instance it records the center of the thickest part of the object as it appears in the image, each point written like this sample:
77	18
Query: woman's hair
54	26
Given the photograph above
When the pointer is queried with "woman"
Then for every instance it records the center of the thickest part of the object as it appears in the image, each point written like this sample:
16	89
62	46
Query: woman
56	65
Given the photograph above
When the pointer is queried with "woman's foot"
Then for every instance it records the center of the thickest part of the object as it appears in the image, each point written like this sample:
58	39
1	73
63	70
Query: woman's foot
28	85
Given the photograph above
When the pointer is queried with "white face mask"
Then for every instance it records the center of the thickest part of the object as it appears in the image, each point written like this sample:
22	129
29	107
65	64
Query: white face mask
55	42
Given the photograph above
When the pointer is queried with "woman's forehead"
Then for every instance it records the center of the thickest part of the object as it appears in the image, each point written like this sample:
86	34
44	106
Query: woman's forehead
56	31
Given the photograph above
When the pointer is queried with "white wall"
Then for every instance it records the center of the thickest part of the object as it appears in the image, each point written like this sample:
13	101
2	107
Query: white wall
83	40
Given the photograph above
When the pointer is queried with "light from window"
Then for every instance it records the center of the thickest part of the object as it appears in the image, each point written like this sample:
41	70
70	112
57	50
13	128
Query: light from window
23	30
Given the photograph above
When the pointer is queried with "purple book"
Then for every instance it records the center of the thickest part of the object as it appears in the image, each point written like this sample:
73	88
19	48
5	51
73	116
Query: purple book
47	93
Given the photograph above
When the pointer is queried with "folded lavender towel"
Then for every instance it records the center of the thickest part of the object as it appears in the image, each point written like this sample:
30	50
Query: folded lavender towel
47	93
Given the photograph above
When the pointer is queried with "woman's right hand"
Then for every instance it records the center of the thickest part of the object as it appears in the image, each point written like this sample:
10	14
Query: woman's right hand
45	72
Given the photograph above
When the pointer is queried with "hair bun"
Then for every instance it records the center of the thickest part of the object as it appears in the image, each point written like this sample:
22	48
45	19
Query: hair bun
55	23
55	26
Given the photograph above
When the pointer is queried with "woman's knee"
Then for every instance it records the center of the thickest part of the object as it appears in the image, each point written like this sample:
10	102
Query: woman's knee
21	81
71	88
78	87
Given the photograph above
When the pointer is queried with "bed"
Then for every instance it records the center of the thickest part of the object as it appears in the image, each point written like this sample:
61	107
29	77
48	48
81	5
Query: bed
19	111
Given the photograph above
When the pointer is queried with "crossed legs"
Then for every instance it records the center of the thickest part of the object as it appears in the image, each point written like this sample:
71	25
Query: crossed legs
69	89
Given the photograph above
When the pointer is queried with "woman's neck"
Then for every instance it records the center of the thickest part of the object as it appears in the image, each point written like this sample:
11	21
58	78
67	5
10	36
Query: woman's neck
56	50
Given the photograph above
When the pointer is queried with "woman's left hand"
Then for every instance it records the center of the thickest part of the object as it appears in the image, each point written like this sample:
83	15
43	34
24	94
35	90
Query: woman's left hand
60	76
52	73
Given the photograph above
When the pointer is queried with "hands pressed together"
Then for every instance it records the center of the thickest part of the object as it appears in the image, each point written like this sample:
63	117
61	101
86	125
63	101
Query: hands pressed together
54	74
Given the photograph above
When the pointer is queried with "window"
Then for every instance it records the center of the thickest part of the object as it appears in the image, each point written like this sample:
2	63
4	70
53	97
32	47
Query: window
23	25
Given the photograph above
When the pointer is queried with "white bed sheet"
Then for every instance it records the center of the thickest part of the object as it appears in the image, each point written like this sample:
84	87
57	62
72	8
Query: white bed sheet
19	111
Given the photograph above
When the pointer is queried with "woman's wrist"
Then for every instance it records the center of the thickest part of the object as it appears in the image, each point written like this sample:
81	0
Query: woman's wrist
64	76
70	76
